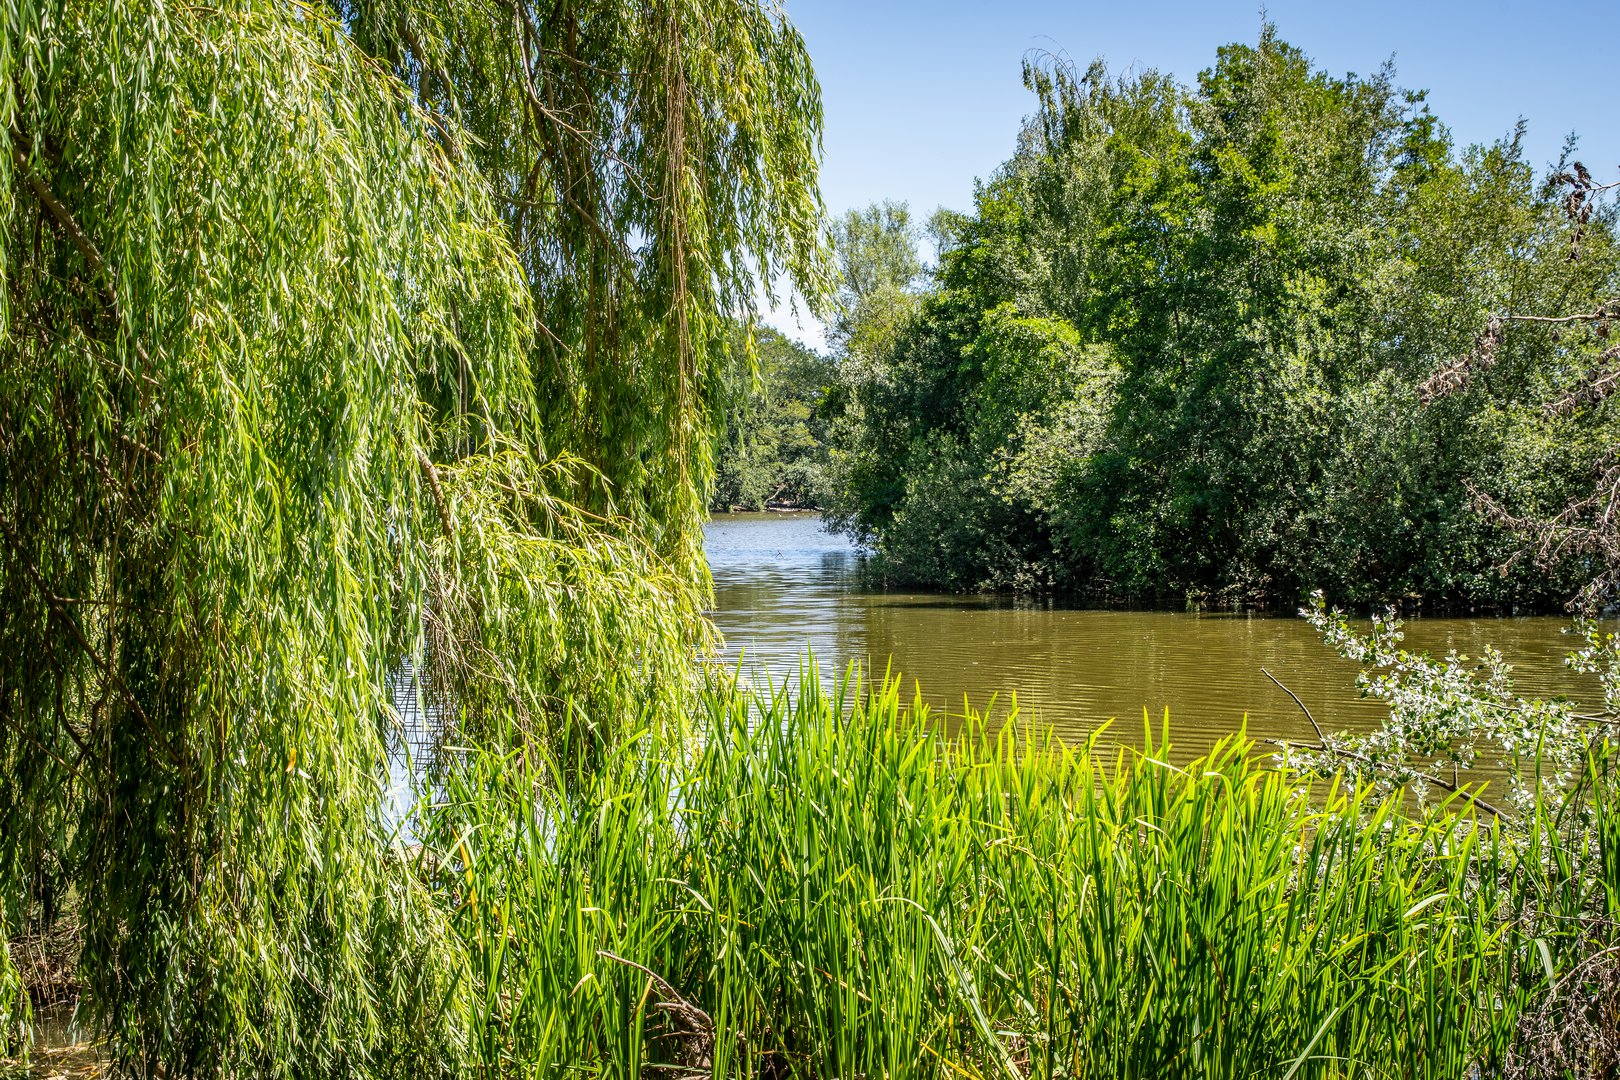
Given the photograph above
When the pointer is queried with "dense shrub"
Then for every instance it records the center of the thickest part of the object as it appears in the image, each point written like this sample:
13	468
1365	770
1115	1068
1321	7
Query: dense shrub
1188	340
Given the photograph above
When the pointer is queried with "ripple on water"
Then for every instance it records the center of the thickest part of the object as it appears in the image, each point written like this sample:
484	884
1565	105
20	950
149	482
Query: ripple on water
783	585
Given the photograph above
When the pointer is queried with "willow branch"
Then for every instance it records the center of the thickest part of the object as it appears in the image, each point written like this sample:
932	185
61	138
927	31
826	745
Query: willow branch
71	767
108	672
63	216
106	669
81	240
432	474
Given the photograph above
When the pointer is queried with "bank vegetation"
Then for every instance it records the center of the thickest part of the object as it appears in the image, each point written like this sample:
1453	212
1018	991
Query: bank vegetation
360	369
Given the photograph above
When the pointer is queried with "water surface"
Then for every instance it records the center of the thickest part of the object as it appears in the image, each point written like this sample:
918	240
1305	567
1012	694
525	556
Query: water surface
783	585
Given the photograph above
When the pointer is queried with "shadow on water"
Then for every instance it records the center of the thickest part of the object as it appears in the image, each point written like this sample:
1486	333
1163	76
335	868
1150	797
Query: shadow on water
783	585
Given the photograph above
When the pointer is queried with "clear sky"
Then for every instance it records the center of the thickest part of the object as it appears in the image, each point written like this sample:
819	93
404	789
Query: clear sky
922	98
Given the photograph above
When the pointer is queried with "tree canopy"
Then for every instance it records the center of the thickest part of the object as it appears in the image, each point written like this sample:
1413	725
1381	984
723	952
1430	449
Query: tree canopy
337	344
1181	349
771	449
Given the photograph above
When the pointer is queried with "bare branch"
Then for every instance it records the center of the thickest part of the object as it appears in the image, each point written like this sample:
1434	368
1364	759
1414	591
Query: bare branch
1314	725
1453	377
1609	309
700	1026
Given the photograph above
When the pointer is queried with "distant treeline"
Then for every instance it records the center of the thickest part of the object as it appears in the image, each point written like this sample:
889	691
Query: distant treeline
1192	342
771	446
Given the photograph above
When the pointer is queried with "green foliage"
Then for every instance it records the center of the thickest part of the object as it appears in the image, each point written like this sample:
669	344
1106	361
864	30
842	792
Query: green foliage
772	449
212	430
975	492
1457	725
653	160
779	395
1268	268
336	345
16	1014
875	249
1460	714
321	354
830	885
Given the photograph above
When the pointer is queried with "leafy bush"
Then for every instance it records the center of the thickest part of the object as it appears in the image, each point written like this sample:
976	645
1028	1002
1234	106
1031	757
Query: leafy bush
1253	282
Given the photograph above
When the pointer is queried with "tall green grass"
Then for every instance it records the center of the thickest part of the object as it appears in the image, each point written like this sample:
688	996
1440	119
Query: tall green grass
831	885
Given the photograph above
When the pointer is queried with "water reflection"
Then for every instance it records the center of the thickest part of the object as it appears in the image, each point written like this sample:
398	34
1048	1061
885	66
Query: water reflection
782	585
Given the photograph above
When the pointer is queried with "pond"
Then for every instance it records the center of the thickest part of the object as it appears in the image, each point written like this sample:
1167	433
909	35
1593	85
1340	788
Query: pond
784	586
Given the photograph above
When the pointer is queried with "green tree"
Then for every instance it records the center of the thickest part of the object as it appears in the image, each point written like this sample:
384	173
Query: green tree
772	449
330	346
1273	261
652	160
875	248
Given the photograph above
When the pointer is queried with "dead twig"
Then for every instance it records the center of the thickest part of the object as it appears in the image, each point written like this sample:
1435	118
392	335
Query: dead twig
699	1034
1314	725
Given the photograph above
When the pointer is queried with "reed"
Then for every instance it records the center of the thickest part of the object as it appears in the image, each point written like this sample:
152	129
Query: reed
829	883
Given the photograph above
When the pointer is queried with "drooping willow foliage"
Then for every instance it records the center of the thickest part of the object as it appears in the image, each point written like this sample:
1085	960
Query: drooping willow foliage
653	160
321	353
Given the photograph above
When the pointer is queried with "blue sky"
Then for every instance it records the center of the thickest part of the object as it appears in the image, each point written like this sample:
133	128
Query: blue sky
922	98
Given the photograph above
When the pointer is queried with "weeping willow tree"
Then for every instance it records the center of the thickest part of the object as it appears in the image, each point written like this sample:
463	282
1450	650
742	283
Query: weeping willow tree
654	161
334	340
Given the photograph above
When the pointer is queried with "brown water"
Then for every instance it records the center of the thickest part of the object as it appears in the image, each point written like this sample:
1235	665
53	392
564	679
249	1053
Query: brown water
783	586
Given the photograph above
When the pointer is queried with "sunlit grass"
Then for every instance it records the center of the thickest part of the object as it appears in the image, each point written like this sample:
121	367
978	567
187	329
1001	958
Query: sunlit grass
828	884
